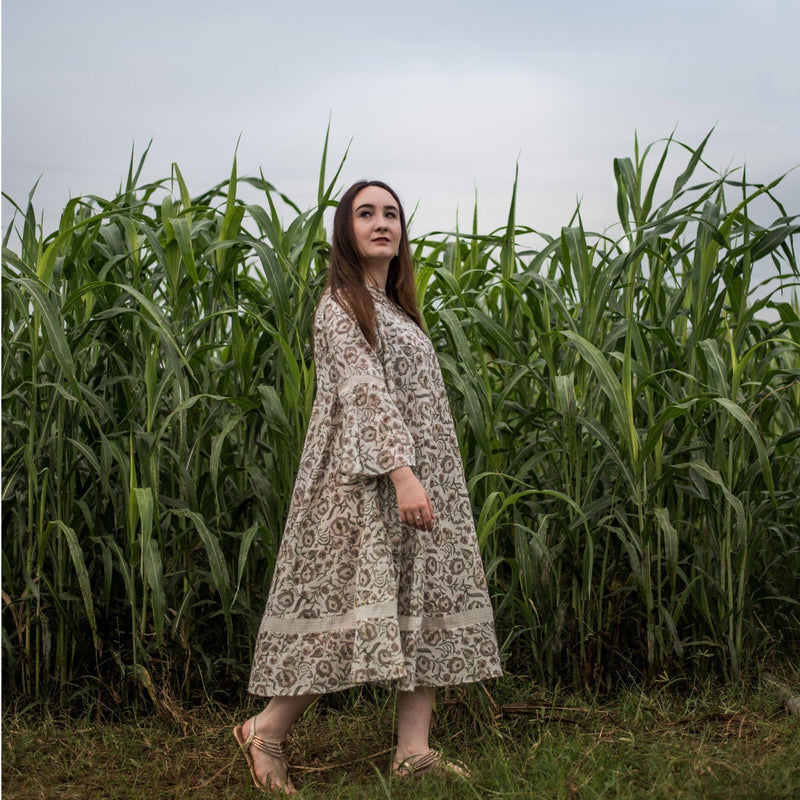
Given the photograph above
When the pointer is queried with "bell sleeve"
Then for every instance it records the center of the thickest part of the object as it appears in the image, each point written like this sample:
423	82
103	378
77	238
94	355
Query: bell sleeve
374	440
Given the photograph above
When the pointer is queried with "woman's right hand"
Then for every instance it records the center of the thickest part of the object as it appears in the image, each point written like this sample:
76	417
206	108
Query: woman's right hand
413	502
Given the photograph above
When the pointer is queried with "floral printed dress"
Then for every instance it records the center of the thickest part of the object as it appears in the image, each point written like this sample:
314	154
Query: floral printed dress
358	596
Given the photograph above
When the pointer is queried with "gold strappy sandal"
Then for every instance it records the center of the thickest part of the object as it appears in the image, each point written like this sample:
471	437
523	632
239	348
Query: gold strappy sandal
423	763
275	750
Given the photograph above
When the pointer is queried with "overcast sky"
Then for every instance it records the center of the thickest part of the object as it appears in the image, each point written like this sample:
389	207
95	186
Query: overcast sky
439	98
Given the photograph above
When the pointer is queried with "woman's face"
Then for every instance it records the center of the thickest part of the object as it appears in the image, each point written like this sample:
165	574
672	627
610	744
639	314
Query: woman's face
376	226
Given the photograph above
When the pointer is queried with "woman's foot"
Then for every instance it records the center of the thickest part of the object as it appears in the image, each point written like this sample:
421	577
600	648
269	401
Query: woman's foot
413	766
265	757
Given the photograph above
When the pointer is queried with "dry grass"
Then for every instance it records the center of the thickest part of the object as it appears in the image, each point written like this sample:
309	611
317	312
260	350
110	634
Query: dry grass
713	743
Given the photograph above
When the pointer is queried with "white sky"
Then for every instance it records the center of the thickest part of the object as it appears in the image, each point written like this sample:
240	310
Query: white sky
440	98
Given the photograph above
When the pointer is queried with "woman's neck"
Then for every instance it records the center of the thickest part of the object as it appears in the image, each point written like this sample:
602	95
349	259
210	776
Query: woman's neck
376	276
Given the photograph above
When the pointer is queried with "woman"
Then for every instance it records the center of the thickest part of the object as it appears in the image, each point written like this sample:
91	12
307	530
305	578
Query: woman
379	578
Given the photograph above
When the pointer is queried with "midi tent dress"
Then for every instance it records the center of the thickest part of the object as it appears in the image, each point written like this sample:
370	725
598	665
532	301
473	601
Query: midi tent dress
357	596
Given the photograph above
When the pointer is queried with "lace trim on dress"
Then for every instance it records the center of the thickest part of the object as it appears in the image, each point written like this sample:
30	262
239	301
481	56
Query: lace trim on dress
338	622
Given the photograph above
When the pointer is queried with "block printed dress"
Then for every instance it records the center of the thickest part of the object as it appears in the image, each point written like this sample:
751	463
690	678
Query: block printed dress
358	596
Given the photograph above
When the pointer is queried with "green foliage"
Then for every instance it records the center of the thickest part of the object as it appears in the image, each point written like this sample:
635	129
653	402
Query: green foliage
627	411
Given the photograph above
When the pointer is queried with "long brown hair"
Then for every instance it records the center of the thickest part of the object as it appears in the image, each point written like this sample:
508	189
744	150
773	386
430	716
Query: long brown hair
346	276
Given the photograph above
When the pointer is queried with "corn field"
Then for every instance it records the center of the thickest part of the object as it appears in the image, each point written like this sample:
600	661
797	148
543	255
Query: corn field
627	404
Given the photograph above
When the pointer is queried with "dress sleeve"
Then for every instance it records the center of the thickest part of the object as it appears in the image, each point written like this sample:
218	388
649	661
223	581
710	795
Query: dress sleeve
375	439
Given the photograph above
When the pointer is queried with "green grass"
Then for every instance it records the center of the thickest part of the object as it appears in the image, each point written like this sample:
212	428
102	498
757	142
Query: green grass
726	742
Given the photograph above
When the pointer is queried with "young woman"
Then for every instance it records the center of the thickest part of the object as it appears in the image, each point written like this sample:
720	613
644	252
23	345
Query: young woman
379	578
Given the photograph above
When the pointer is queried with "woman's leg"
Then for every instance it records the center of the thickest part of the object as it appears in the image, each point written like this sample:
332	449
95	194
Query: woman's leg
414	711
272	724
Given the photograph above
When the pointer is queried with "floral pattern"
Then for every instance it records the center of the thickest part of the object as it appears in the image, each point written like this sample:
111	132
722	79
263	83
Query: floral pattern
357	596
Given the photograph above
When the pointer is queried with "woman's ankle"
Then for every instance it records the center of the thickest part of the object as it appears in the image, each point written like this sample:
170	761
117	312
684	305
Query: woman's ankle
410	750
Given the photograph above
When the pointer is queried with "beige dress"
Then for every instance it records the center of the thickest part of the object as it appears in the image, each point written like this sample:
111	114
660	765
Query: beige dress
357	596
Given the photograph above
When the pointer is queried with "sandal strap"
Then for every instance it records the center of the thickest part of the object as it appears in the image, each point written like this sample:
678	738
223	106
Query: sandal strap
419	763
276	749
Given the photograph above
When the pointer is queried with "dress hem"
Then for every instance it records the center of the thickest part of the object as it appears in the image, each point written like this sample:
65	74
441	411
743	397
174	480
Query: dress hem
387	684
